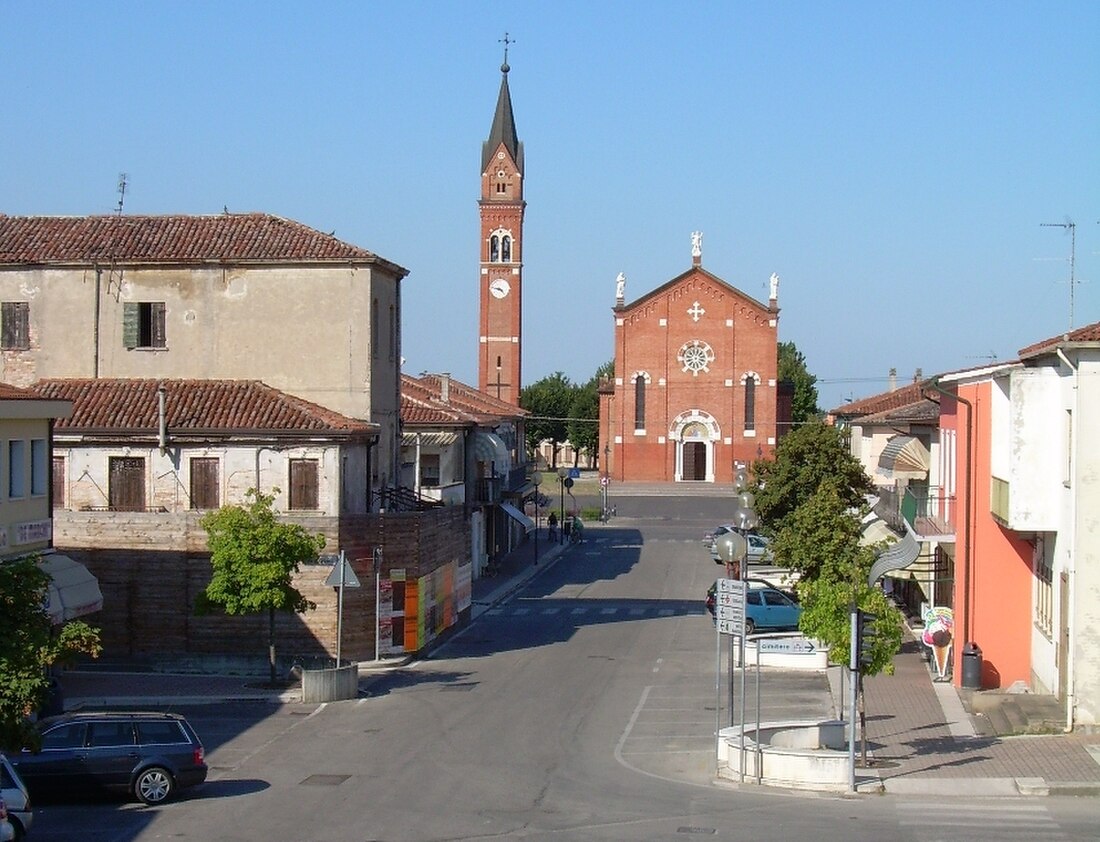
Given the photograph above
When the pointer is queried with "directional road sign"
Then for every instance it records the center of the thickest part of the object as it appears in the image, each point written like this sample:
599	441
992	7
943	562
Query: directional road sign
786	646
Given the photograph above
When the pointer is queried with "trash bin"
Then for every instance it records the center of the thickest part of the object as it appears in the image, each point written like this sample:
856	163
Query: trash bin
972	666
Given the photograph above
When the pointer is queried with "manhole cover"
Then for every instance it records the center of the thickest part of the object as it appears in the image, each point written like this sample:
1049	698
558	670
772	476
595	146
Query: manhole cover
324	780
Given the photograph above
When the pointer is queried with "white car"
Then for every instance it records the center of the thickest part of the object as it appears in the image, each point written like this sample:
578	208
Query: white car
759	546
13	792
7	832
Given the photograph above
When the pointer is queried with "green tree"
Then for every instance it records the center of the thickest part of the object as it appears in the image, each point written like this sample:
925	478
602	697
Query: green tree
29	646
792	367
549	401
582	428
810	457
254	556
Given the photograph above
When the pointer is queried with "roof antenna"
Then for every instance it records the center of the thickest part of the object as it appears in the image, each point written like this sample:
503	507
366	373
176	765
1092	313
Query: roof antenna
121	191
1071	226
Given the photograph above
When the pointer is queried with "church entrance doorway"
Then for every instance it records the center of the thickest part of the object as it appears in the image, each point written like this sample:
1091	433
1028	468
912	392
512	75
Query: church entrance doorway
695	433
695	461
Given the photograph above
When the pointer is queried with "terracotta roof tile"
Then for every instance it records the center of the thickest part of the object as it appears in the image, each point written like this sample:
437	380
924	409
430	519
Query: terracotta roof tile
882	402
193	405
422	403
1088	333
15	393
220	238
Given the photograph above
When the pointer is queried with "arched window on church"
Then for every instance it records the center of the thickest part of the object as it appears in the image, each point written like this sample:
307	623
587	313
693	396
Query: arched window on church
639	402
494	249
750	380
506	249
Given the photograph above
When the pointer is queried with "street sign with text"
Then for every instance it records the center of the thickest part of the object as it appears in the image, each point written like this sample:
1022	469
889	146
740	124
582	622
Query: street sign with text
786	646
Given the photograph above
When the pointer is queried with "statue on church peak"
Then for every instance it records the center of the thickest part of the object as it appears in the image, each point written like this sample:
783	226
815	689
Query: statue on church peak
696	243
620	287
774	280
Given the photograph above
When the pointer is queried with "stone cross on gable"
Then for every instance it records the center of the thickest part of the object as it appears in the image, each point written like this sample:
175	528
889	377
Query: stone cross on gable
695	311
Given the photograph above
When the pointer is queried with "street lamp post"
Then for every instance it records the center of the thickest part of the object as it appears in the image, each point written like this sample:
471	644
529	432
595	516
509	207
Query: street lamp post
536	478
563	472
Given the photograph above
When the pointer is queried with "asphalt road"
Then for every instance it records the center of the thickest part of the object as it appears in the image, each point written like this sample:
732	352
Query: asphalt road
583	708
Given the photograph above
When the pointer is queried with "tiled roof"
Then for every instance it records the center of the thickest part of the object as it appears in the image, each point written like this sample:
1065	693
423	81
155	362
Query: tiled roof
14	393
1088	333
220	238
193	406
883	402
422	403
924	411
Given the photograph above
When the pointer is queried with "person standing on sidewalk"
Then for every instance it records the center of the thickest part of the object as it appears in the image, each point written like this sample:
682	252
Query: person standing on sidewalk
552	525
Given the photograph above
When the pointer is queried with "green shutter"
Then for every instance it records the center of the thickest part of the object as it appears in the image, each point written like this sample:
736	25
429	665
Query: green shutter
131	316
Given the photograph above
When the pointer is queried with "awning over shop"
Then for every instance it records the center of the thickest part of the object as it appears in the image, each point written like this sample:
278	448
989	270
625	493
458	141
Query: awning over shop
899	551
433	439
73	590
518	516
490	448
904	457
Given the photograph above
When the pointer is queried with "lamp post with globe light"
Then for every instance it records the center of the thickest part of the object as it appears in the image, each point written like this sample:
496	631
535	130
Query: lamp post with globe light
536	480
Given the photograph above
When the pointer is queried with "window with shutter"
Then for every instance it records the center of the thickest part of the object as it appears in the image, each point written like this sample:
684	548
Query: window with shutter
126	484
303	484
204	483
15	330
143	324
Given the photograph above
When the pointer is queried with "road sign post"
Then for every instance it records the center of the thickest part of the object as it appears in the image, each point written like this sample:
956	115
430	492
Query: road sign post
342	576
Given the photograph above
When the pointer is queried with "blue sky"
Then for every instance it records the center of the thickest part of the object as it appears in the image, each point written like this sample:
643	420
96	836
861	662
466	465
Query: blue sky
892	162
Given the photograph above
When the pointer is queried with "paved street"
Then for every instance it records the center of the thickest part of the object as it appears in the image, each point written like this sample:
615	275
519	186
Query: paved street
582	707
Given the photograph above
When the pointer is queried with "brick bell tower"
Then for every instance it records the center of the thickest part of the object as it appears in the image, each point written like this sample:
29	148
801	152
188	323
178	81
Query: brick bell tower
500	340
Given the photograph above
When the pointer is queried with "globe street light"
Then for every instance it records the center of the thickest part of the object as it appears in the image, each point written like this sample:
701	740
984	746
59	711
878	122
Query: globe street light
536	479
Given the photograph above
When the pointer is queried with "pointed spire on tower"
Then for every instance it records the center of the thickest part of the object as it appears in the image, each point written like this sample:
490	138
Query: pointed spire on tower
504	123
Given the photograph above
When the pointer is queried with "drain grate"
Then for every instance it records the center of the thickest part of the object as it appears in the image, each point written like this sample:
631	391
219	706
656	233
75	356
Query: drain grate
456	688
708	830
324	780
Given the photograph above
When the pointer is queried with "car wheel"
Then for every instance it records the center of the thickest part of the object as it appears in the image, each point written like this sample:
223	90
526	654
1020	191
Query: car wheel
153	785
750	626
17	827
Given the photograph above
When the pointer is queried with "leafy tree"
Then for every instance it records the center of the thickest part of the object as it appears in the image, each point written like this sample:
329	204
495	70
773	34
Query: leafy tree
821	537
549	401
29	646
792	367
584	415
254	556
810	457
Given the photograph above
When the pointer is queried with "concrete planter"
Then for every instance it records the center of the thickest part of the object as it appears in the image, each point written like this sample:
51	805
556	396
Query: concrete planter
334	684
800	755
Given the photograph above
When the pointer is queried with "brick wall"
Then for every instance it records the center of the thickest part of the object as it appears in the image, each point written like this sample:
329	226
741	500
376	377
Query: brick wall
151	567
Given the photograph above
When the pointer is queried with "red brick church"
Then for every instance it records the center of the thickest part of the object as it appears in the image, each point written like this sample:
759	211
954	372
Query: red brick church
695	380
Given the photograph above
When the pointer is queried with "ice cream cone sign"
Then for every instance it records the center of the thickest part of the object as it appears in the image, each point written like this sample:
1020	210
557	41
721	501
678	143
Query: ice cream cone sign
938	635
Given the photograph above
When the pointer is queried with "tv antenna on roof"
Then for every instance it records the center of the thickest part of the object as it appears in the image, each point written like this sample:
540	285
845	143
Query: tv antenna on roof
1071	226
121	191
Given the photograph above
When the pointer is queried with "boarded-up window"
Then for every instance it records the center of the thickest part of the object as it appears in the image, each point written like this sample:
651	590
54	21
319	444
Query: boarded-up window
58	482
303	484
204	483
143	324
15	326
126	484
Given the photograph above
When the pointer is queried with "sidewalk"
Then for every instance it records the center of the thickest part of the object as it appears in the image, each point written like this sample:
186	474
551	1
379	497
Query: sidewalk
924	741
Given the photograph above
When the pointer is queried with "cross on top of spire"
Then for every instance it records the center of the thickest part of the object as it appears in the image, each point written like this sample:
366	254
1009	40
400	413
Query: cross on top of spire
506	41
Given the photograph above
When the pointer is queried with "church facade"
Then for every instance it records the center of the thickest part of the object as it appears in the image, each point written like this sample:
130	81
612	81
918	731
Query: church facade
695	386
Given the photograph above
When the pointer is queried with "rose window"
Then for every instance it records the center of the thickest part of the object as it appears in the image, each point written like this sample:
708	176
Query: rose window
696	356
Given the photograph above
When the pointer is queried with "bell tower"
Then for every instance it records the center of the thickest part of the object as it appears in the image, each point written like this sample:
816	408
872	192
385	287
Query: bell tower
501	206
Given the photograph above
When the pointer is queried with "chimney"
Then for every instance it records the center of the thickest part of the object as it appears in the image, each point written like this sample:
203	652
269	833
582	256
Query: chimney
445	387
893	379
919	376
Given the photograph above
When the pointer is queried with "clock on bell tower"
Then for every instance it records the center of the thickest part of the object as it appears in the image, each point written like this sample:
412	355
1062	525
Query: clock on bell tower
501	284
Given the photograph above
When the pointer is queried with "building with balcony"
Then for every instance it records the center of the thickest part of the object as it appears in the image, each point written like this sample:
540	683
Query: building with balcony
1028	488
463	447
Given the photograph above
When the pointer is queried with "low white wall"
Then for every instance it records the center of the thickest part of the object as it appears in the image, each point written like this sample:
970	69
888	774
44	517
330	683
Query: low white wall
792	754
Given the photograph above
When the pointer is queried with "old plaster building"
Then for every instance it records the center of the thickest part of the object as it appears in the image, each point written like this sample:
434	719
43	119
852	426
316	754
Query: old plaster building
695	380
501	286
228	296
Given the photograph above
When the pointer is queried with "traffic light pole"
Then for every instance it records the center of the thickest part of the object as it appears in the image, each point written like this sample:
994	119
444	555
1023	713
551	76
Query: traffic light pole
853	666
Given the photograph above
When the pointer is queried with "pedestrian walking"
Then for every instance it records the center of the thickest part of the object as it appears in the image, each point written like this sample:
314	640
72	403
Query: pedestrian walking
552	525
